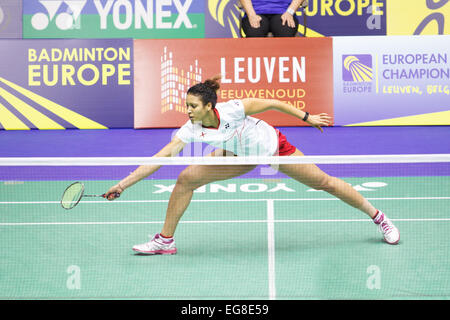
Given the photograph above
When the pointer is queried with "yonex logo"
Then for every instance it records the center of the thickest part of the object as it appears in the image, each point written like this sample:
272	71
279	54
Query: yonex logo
152	15
64	20
357	68
261	187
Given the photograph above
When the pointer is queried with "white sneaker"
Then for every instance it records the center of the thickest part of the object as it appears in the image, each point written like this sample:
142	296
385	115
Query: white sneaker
156	246
386	227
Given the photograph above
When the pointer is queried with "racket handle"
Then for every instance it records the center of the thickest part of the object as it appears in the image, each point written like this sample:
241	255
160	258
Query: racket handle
116	195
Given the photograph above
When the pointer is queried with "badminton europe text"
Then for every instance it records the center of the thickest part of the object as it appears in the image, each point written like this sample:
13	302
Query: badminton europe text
79	66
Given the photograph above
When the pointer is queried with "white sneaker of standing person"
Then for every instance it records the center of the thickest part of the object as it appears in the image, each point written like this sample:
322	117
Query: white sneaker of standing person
157	245
386	227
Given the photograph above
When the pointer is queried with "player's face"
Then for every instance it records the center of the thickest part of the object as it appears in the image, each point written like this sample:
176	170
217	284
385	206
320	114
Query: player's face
195	108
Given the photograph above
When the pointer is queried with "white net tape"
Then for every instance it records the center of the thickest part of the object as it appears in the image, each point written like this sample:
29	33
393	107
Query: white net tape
255	160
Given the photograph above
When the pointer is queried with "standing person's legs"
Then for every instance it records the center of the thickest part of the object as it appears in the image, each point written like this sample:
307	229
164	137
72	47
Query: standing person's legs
251	32
279	30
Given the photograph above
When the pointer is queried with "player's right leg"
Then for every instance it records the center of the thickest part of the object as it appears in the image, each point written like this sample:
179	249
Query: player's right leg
189	179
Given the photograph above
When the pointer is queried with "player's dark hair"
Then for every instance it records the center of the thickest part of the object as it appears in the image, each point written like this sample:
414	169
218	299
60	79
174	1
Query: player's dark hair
206	91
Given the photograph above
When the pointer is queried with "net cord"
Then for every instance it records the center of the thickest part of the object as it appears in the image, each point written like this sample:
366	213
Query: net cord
241	160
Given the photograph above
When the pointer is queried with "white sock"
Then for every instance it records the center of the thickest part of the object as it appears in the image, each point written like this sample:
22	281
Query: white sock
164	239
379	217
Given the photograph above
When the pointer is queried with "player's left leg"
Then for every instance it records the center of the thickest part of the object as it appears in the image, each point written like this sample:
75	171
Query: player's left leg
314	177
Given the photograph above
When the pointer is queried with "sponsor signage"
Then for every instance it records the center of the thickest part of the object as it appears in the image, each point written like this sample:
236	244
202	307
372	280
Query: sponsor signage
113	19
403	80
345	17
425	17
58	84
298	71
159	19
323	18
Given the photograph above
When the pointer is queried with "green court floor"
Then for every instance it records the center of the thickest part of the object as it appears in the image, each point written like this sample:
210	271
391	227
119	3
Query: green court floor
239	239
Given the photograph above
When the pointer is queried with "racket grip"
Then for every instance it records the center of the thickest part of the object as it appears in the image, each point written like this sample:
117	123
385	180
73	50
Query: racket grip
116	195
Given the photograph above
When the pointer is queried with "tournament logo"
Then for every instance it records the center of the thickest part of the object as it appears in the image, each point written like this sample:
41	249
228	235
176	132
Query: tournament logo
357	68
357	73
176	79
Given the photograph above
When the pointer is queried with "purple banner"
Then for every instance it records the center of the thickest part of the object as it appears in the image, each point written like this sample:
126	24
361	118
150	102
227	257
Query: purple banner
345	18
59	84
11	19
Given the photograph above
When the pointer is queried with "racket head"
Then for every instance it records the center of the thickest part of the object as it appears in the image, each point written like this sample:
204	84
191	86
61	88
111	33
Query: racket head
72	195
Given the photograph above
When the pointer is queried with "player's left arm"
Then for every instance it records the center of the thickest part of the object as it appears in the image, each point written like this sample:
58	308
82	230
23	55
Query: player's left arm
254	106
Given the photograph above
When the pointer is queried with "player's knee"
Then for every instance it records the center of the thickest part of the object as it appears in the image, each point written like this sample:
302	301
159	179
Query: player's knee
188	179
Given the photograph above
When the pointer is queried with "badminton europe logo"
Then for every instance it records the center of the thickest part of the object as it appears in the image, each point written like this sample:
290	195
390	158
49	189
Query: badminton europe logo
64	20
357	73
357	68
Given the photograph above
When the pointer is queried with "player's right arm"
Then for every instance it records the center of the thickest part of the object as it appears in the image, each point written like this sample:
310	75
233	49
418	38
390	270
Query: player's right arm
173	148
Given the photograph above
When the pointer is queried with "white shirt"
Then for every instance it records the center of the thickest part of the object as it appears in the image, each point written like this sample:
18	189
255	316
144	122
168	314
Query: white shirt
243	135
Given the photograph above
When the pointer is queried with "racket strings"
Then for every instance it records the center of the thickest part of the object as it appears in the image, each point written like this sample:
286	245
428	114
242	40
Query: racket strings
72	195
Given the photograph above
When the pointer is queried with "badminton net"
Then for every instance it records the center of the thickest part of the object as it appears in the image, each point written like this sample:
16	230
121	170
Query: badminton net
283	218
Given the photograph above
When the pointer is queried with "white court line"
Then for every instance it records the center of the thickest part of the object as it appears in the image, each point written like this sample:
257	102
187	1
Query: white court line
271	249
223	200
272	221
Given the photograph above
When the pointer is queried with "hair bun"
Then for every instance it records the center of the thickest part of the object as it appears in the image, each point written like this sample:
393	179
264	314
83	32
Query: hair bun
214	82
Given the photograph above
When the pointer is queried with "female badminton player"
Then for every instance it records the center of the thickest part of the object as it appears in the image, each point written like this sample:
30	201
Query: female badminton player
230	127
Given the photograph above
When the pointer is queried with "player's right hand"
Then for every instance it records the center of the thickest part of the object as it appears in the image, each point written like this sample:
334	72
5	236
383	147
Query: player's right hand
114	192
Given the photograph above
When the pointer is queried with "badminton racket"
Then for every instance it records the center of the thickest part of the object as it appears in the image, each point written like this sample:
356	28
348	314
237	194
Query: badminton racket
73	194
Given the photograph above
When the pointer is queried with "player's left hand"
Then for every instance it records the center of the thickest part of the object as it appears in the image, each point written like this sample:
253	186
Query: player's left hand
319	120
